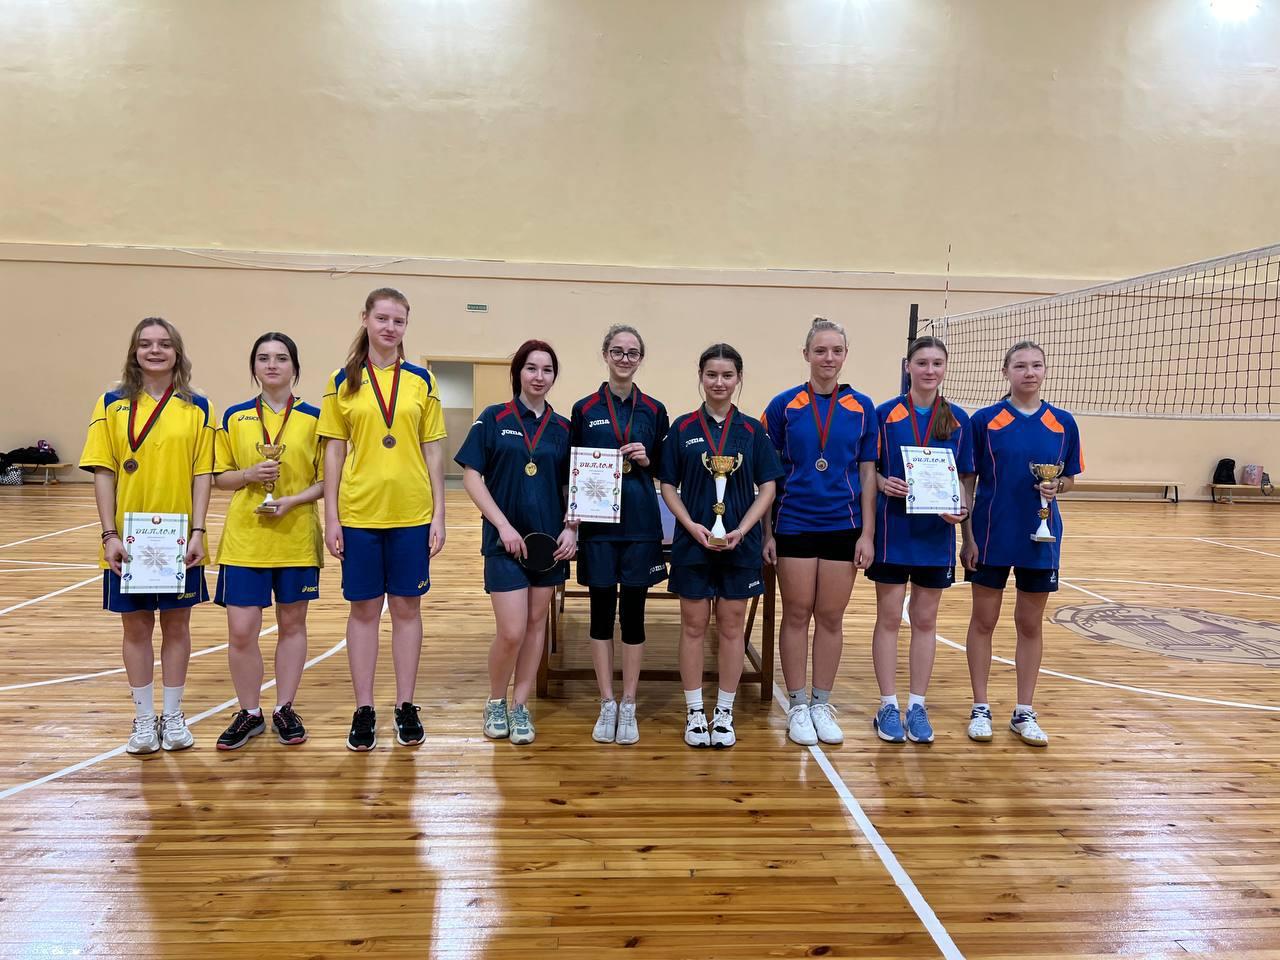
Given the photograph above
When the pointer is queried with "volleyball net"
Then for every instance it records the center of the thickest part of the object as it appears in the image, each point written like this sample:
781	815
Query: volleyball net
1192	342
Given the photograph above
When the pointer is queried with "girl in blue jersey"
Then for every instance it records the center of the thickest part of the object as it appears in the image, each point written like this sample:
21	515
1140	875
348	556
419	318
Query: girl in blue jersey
704	572
1007	437
516	469
825	432
624	557
919	548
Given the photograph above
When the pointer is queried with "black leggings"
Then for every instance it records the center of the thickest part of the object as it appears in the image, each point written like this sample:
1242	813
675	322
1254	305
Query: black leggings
604	607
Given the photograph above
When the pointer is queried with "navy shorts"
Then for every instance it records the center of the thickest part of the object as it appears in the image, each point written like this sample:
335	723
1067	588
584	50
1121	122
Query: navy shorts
255	586
1027	579
823	545
117	602
708	581
394	560
604	563
502	574
935	578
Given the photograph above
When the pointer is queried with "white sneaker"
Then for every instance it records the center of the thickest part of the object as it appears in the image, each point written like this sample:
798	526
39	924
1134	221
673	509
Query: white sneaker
145	737
174	734
522	731
1028	730
628	729
800	726
607	724
823	716
696	733
980	724
722	734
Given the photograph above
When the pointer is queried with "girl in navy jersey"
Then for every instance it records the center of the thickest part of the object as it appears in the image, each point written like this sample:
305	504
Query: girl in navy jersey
704	571
516	468
920	548
824	529
1007	437
623	557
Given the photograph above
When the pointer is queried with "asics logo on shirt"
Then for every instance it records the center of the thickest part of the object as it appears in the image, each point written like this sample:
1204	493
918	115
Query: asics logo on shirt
246	416
511	433
1053	577
598	423
120	408
422	583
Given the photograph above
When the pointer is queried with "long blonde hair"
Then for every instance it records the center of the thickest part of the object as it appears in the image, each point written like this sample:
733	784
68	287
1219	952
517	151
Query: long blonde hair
359	351
131	376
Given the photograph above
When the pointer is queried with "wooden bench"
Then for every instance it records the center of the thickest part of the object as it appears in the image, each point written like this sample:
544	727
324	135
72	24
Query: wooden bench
1224	492
1169	488
48	469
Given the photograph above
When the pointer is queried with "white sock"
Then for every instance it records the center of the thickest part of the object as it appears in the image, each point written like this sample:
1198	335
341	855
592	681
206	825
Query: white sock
890	701
1023	708
173	700
693	699
144	701
257	712
724	700
914	700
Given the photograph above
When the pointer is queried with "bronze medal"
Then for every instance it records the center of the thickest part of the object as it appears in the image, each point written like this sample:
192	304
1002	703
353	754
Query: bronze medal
136	440
824	429
130	465
388	410
388	441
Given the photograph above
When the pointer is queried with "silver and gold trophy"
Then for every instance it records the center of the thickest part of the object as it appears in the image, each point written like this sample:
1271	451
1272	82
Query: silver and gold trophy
720	467
269	451
1043	472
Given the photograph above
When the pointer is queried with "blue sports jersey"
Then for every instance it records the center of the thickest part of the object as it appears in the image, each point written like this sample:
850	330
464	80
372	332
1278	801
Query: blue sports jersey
591	426
496	449
812	500
1006	506
682	467
919	540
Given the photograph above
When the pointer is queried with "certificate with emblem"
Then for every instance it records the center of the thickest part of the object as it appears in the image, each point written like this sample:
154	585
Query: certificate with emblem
933	483
157	546
595	485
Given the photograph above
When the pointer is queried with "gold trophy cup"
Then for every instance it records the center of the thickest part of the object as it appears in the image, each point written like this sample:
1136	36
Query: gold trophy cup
269	451
720	468
1043	472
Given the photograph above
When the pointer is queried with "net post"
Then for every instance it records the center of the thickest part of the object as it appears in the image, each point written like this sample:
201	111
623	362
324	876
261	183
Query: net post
913	330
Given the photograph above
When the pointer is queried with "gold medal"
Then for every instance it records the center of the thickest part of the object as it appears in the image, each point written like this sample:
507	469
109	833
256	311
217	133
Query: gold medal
626	466
531	469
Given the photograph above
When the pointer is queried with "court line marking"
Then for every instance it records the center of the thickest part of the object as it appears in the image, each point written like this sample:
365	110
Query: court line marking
42	569
1232	546
92	761
48	596
115	670
46	536
52	563
901	878
1156	536
1083	590
1184	586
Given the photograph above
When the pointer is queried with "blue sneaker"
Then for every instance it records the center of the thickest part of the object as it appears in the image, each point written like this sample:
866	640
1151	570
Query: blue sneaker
888	724
918	729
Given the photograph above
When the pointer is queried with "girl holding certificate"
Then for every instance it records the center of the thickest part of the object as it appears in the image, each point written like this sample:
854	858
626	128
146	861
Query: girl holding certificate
718	472
150	450
825	432
270	550
1008	438
516	468
915	547
383	503
623	557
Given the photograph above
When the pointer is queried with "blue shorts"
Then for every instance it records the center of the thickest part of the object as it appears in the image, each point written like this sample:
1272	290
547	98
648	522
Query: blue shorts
708	581
1027	579
502	574
604	563
935	578
255	586
117	602
394	560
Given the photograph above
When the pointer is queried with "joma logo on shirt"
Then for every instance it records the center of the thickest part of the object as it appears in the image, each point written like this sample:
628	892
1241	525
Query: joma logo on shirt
692	440
598	423
512	433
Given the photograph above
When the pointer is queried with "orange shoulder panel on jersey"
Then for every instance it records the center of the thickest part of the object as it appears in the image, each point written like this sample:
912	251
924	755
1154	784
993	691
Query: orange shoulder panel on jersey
897	413
849	403
1050	421
799	401
1000	420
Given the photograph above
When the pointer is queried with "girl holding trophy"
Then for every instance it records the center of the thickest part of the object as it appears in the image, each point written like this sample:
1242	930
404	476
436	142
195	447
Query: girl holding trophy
270	549
150	450
1026	452
718	472
625	557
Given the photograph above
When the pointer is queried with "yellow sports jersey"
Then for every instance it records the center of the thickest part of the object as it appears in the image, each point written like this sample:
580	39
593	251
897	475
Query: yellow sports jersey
178	449
256	540
384	485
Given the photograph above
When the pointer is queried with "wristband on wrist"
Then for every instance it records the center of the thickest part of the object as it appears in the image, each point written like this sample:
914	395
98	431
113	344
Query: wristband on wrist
108	534
199	530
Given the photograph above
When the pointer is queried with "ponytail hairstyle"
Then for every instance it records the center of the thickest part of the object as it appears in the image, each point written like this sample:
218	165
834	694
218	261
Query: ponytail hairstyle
618	328
275	336
945	423
359	351
819	325
131	375
522	357
1008	355
720	351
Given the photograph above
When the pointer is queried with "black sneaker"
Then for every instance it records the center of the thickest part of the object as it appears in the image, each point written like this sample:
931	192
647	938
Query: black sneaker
363	735
244	726
409	732
289	728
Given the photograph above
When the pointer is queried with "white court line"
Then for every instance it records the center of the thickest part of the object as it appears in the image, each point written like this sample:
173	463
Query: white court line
1157	536
47	596
84	764
882	850
1083	590
53	563
46	536
1232	546
114	670
87	566
1184	586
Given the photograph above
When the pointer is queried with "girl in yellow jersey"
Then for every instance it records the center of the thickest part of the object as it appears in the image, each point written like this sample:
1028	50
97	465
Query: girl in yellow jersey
271	543
383	503
150	450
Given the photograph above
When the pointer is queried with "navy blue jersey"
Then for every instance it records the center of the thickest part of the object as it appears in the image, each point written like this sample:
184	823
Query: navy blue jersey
915	540
812	500
682	467
591	426
496	449
1006	506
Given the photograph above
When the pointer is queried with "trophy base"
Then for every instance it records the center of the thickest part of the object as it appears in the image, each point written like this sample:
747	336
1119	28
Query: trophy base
717	541
267	507
1043	538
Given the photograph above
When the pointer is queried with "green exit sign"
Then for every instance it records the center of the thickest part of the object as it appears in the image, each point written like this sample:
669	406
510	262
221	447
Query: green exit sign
477	308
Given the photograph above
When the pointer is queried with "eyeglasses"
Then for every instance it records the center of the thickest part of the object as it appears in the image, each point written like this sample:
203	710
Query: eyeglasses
631	356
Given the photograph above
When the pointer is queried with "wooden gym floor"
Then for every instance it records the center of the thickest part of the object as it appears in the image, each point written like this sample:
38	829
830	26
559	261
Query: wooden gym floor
1149	827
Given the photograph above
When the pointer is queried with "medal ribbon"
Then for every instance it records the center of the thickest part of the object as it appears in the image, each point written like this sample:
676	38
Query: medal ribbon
915	426
824	430
724	433
388	412
266	437
613	416
532	445
134	444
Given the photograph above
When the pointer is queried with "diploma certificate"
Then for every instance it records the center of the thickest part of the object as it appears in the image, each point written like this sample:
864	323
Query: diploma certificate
933	484
595	485
157	544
